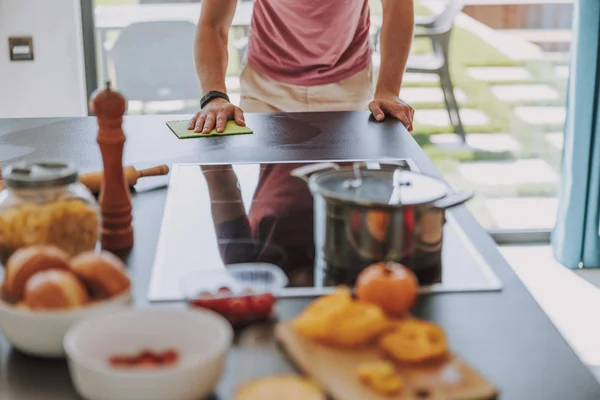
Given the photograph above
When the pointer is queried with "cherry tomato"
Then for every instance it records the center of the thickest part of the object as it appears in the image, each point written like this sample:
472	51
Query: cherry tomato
146	363
237	307
219	305
169	357
121	361
145	354
224	289
262	305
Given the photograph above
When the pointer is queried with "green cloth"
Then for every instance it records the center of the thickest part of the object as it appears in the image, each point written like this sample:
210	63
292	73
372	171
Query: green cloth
180	128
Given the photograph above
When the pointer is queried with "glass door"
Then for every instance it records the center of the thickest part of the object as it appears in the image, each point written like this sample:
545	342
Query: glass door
504	74
145	47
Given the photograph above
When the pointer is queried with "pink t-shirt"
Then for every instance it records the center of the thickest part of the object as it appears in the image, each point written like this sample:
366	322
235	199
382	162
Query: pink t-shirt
309	42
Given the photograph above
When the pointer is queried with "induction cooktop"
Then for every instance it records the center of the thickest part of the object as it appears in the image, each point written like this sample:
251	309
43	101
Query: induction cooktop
244	213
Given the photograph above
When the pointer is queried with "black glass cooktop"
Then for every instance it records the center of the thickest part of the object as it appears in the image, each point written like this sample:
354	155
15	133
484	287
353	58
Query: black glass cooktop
221	215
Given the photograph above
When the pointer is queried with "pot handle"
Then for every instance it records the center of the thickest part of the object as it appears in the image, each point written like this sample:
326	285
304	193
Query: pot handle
404	164
453	200
306	171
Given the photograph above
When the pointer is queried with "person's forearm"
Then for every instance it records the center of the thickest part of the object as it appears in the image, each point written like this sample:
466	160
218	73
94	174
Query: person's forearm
225	195
396	38
210	54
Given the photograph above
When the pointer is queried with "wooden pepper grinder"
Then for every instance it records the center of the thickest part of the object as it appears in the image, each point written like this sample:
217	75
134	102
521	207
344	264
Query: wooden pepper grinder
109	107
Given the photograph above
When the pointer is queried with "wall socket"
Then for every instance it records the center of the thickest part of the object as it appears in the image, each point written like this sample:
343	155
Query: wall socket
20	48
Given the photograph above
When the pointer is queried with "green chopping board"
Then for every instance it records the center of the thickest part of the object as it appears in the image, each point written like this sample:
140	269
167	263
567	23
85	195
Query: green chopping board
180	129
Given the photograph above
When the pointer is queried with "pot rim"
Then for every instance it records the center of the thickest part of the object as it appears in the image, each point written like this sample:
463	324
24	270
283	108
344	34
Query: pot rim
331	196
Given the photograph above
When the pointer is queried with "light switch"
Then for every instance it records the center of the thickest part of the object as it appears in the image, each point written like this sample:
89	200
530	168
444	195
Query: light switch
20	48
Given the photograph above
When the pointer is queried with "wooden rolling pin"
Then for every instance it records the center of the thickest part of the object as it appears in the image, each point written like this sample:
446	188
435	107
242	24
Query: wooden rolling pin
93	180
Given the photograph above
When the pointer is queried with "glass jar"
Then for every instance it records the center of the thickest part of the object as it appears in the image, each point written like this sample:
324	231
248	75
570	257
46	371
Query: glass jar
44	203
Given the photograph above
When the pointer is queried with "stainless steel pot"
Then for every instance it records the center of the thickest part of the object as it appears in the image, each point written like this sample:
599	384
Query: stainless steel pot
370	212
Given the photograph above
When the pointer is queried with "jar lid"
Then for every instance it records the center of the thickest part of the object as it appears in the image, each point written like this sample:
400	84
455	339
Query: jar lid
378	187
39	174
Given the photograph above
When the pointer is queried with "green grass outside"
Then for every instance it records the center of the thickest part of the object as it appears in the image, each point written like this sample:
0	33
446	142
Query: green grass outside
468	50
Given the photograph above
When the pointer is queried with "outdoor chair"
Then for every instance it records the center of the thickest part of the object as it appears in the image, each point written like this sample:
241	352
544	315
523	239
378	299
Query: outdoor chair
153	61
437	29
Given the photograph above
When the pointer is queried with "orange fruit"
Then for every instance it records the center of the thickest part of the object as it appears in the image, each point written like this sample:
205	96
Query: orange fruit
389	285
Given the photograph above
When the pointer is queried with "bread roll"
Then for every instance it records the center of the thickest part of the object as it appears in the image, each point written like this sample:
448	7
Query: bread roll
54	289
29	260
289	387
103	273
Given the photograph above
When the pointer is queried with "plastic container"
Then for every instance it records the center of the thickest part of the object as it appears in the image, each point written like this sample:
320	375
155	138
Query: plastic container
242	293
44	203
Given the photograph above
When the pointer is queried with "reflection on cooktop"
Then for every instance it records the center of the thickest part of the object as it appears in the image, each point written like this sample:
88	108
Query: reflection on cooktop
274	226
219	215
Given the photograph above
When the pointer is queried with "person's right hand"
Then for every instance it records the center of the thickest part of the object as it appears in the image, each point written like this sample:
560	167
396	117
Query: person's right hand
214	115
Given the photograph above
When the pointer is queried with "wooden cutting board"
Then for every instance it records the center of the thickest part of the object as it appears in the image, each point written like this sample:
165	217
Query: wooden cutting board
335	371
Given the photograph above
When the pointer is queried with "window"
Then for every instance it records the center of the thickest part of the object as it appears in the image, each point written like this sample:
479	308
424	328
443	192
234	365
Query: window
504	74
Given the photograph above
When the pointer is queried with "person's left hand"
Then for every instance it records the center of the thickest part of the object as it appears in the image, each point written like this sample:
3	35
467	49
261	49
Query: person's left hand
392	105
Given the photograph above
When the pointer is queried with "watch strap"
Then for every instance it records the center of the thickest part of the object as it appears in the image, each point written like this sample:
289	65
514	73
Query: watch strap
213	94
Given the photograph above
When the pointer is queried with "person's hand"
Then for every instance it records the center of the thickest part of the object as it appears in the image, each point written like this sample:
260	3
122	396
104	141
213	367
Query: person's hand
214	115
390	104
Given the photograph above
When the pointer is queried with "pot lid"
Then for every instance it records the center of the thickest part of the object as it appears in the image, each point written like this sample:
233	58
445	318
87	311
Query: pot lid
378	187
39	174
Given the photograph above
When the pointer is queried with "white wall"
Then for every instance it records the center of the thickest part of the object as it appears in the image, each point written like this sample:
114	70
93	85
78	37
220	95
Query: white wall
53	85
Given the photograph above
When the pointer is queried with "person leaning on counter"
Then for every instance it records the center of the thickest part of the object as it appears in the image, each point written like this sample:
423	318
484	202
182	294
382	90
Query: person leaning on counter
304	55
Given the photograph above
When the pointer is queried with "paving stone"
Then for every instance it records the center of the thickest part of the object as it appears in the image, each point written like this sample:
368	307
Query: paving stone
493	142
523	212
440	117
499	74
562	71
415	95
414	77
541	115
556	139
513	173
524	92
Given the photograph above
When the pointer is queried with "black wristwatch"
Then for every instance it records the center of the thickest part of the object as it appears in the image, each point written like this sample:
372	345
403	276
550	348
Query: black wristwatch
213	94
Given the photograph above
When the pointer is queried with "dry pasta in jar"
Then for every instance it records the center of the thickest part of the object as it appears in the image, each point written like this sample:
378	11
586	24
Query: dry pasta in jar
44	203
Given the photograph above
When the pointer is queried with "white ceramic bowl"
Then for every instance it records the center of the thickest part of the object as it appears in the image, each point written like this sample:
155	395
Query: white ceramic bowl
41	333
200	337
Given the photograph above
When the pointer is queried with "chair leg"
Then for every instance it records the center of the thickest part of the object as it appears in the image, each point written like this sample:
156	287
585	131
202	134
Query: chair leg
452	104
